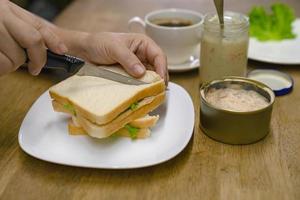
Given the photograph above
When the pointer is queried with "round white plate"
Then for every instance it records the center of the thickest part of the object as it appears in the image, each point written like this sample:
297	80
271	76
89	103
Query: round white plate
44	135
279	52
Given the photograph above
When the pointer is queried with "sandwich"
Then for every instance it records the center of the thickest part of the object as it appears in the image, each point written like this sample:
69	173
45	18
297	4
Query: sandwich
102	108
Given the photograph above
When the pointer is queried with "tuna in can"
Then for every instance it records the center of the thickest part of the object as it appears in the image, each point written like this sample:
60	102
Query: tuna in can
236	110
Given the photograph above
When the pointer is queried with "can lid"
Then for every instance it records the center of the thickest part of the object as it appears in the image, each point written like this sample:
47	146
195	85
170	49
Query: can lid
281	83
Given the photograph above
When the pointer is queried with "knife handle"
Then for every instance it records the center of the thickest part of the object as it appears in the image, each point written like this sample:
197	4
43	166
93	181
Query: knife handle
67	63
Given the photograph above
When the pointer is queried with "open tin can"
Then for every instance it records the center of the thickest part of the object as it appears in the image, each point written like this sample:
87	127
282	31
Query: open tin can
235	127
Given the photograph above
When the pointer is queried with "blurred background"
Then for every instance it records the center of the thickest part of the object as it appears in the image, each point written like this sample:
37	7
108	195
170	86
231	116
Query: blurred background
47	9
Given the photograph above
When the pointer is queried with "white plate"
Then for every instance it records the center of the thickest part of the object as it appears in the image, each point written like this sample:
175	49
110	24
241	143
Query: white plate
279	52
44	135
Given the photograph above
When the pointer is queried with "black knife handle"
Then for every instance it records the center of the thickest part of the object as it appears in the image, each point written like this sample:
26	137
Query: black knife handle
69	64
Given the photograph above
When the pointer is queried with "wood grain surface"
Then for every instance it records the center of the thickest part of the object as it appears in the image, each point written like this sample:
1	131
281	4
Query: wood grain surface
269	169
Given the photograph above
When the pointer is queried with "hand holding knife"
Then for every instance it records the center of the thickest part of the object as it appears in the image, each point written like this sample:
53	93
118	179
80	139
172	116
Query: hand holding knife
72	65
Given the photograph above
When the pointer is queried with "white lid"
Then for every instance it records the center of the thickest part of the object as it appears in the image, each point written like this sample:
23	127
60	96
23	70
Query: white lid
281	83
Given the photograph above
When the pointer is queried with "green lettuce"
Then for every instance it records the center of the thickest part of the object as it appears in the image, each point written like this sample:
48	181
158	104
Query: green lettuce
70	108
276	25
132	131
134	106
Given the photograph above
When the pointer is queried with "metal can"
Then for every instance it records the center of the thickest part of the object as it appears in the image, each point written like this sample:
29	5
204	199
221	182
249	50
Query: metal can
233	127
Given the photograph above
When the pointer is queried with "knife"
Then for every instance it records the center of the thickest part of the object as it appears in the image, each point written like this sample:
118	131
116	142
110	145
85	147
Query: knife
74	65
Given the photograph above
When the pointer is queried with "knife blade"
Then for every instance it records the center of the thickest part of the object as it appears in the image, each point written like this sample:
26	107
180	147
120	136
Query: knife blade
98	71
74	65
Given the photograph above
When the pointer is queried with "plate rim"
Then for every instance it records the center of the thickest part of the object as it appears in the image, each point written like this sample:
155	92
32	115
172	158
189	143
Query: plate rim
160	161
173	68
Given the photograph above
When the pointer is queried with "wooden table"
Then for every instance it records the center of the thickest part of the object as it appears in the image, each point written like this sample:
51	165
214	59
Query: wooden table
269	169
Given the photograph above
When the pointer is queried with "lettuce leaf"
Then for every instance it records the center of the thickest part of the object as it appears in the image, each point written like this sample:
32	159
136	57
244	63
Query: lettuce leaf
132	131
276	25
70	108
134	106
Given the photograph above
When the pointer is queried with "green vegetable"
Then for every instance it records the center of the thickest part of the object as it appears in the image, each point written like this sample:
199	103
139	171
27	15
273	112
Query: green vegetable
132	131
70	108
134	106
276	25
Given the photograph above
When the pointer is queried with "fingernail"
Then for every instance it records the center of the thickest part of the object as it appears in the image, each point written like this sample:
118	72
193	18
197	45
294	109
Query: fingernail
138	70
62	48
35	72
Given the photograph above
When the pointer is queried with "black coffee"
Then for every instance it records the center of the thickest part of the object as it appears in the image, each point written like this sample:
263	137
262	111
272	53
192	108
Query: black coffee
173	22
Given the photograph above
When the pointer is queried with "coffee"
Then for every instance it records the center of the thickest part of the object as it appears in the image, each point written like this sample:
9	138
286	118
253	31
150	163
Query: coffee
172	22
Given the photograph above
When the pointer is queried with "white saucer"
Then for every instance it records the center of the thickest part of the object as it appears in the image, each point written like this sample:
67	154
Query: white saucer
193	63
44	135
278	52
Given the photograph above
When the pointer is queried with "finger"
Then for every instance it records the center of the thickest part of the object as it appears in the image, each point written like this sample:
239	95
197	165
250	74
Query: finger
11	49
6	66
160	64
127	59
37	58
52	41
156	57
147	49
30	39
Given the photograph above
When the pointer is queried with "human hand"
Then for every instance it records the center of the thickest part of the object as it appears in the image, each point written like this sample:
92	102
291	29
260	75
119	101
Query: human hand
135	52
20	31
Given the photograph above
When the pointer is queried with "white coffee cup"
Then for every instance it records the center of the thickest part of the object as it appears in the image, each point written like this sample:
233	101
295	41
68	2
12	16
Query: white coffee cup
179	43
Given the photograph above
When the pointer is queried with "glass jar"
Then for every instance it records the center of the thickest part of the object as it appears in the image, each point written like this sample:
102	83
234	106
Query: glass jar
224	49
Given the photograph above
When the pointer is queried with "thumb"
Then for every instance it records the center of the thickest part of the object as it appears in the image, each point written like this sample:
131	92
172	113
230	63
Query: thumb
128	60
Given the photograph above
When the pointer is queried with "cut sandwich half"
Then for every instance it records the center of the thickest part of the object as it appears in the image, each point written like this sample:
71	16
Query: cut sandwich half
103	107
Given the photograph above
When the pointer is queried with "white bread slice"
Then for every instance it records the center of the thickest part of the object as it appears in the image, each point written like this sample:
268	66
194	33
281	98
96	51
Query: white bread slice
139	122
102	131
127	117
142	133
143	124
77	130
100	100
74	129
